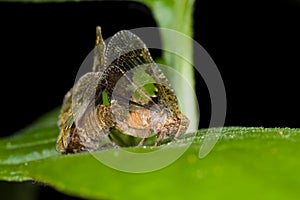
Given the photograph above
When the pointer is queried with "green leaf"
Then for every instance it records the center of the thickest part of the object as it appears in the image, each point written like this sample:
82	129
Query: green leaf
246	163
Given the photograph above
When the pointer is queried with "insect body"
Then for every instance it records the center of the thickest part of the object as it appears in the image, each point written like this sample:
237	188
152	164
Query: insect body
126	93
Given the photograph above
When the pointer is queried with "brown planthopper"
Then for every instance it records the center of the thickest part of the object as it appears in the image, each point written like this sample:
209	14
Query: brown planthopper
126	93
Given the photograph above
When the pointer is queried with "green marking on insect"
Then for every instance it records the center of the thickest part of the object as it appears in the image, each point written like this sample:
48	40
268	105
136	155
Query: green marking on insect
105	100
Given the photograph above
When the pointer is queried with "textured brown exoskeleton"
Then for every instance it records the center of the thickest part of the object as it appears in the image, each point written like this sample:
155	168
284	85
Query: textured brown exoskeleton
126	92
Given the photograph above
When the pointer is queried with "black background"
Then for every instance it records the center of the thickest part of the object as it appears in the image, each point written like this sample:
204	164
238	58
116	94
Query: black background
255	45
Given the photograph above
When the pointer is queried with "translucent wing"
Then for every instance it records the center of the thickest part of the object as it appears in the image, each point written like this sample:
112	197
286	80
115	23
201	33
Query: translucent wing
123	46
84	93
129	58
85	101
140	94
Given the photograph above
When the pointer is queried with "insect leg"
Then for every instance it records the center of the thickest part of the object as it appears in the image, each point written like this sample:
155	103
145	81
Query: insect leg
142	142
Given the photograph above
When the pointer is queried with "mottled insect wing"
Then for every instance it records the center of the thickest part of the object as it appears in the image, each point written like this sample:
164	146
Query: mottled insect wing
127	54
85	106
84	92
123	50
135	84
